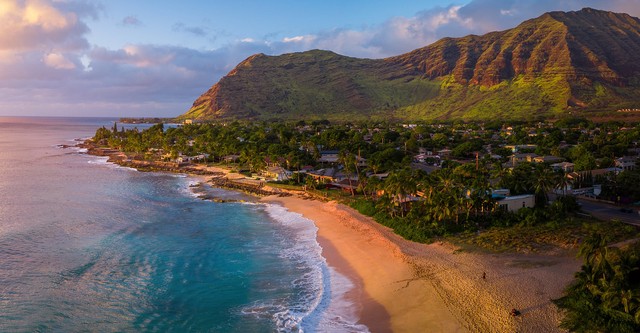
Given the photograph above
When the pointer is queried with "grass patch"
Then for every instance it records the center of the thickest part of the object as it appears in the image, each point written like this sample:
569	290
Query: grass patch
542	238
286	186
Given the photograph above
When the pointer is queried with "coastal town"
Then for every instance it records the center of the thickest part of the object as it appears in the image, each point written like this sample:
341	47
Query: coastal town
574	158
465	166
537	193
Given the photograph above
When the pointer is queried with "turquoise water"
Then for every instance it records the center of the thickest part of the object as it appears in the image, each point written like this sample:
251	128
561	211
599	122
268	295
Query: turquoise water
89	246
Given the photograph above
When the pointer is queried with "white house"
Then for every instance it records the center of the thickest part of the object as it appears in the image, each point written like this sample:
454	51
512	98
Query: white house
189	159
514	203
278	173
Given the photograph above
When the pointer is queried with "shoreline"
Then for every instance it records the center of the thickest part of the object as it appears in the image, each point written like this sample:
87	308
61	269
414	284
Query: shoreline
401	286
384	288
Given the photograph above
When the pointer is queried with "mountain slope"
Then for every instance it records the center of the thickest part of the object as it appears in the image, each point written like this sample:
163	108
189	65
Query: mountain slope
587	60
323	82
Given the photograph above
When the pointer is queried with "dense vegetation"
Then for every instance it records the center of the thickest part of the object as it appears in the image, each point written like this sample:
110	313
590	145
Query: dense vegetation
605	297
455	196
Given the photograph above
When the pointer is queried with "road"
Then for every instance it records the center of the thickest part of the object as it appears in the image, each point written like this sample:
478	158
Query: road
607	212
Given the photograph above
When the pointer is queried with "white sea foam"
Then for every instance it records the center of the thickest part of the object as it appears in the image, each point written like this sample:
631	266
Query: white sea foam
187	187
179	175
103	161
325	308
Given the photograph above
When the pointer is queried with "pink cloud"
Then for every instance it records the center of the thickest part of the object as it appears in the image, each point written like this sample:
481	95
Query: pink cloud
43	41
34	24
58	61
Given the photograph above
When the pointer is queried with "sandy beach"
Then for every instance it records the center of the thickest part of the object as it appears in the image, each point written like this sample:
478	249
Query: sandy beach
401	286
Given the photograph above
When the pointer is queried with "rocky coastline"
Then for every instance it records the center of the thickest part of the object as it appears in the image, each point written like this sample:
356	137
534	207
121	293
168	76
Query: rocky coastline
219	177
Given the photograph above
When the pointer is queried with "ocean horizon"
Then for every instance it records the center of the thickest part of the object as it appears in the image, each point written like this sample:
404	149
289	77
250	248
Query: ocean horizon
87	245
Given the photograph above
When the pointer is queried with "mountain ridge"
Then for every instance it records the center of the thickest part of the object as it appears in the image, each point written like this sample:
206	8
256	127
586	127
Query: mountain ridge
583	61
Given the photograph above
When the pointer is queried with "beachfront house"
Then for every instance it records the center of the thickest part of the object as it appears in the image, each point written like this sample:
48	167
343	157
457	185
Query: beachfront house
190	159
329	175
277	173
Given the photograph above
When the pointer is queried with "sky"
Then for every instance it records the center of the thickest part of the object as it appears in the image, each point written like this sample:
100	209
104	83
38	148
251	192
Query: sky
144	58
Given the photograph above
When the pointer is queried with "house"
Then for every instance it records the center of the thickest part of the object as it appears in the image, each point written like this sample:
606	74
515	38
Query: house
517	148
345	185
425	167
626	162
592	174
231	158
326	175
306	169
329	156
548	159
564	166
444	153
277	173
519	158
514	203
500	193
381	176
188	159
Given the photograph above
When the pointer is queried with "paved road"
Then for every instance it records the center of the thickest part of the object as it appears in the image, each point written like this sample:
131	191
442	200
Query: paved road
607	212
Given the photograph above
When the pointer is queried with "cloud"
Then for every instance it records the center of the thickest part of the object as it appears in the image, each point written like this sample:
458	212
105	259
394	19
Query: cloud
403	34
131	21
58	61
46	62
193	30
34	24
295	39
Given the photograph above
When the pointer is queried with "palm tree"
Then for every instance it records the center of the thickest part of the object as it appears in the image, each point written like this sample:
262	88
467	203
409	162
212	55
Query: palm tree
349	162
543	181
399	185
446	198
563	182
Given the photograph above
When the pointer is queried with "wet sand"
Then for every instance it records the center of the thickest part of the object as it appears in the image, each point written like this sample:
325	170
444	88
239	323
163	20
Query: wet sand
402	286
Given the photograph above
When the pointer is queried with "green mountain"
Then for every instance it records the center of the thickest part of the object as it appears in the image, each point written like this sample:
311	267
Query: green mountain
585	62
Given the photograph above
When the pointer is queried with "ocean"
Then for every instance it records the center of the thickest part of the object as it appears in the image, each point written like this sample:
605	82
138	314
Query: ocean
88	246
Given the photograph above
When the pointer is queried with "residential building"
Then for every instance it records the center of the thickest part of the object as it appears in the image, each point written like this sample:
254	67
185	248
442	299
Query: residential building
277	173
626	162
519	158
548	159
329	156
514	203
567	167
